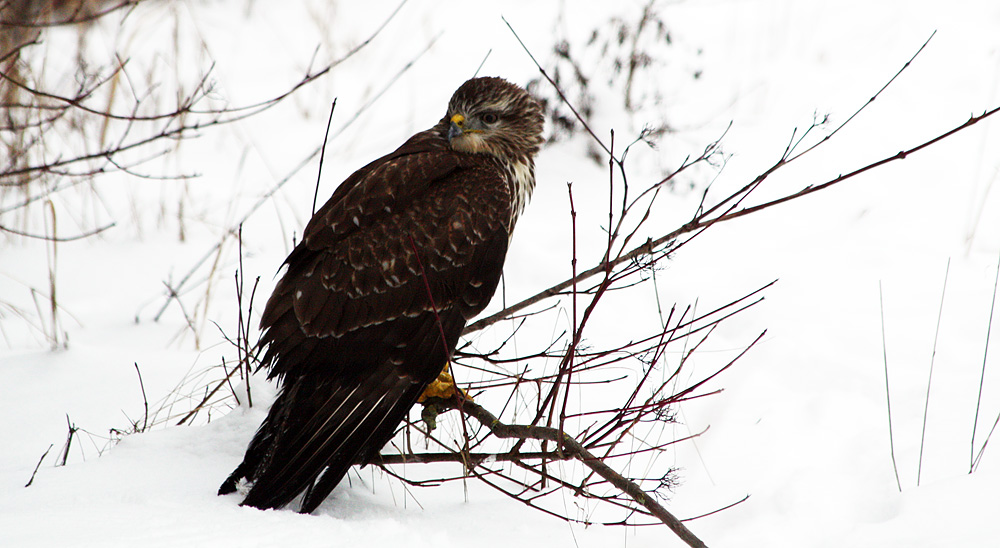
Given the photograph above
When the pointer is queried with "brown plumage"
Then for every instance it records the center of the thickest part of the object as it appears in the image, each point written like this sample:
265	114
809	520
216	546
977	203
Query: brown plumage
375	297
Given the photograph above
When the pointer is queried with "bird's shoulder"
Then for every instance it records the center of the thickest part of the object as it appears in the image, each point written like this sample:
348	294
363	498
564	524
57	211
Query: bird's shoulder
402	180
422	216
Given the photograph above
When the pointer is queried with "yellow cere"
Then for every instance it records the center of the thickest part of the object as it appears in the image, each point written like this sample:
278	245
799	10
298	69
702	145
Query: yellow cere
458	120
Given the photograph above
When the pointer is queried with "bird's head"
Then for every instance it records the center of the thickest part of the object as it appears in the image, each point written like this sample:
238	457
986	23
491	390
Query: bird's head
493	116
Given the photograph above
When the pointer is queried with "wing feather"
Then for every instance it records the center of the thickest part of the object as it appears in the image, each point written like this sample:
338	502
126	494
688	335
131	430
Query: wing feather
451	236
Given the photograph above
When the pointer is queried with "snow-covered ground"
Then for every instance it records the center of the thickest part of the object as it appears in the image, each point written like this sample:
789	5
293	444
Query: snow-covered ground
801	425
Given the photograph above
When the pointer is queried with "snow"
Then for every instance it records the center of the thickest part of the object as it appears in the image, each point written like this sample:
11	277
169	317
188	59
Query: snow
801	424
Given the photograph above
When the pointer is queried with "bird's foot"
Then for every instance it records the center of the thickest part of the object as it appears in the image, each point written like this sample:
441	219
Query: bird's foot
439	396
443	387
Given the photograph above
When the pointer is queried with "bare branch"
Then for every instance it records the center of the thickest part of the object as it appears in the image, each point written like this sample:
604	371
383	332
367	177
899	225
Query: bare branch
572	447
705	220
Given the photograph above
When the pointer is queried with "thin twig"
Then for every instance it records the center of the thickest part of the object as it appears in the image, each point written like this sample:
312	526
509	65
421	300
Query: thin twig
982	376
37	466
888	406
573	447
266	197
208	395
717	510
322	154
467	459
870	101
559	91
48	238
930	373
979	456
75	17
145	402
702	221
572	350
69	440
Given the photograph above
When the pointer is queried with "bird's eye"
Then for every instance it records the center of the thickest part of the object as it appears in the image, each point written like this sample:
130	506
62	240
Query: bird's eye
490	118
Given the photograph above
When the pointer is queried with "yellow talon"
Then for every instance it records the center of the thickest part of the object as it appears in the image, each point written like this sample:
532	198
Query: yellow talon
443	387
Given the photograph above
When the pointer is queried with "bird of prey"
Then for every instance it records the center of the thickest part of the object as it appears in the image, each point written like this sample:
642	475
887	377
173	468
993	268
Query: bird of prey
375	296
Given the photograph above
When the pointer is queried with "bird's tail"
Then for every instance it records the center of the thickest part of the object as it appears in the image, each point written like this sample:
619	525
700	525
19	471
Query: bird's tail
315	431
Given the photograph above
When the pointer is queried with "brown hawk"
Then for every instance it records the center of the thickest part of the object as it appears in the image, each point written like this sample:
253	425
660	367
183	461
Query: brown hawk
375	297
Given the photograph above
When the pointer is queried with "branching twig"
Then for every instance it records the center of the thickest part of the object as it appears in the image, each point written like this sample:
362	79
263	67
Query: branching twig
572	447
267	196
71	431
703	220
982	375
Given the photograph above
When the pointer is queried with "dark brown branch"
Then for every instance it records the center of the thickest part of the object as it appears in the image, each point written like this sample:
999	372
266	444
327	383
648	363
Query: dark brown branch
84	94
717	510
37	466
901	155
210	393
703	221
791	148
570	446
468	459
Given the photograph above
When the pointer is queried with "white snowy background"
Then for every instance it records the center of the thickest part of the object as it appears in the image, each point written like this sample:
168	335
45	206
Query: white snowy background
801	425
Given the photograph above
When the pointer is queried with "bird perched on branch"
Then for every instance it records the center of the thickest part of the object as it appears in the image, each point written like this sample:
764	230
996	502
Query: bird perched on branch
374	298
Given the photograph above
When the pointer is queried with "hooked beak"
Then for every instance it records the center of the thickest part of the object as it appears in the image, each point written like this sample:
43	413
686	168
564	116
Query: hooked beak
455	129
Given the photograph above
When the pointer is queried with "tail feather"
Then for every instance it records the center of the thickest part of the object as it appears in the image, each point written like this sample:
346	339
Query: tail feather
315	432
380	433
